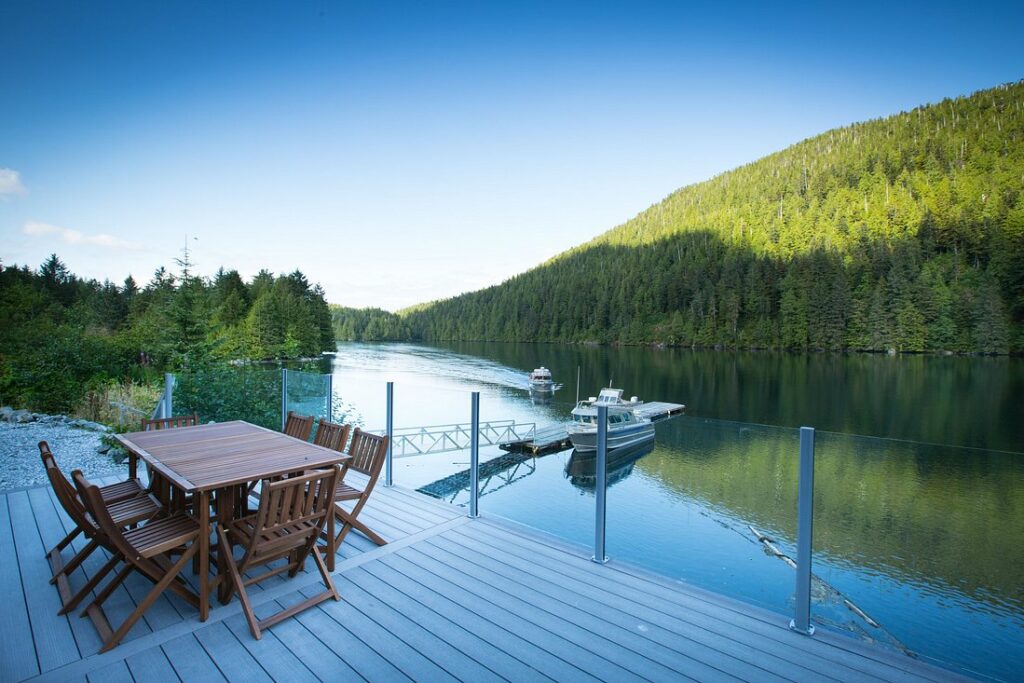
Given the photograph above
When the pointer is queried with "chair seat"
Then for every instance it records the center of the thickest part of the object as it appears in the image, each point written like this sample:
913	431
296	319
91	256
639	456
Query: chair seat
345	492
162	535
122	490
134	510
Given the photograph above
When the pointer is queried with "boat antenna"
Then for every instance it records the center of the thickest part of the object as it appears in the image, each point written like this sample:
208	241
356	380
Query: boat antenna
577	384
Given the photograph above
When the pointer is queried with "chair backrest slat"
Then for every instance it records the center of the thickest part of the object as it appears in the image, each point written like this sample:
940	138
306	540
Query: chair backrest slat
299	499
298	426
170	422
65	491
331	435
368	452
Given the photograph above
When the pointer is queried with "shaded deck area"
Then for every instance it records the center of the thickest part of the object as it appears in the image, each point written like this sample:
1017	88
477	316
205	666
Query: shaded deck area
449	598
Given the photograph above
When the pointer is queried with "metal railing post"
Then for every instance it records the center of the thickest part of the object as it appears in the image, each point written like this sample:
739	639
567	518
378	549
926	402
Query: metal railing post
474	455
801	622
330	397
601	484
168	394
284	397
391	433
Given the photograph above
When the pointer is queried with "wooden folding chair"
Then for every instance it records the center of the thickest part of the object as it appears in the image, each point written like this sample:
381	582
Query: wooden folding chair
170	422
299	426
123	511
368	452
289	521
331	435
142	550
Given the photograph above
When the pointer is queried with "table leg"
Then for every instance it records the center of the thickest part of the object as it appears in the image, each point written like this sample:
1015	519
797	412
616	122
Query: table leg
203	505
133	465
225	514
330	538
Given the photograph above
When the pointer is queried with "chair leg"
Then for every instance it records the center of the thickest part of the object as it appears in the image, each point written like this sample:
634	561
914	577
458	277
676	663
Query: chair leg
236	578
349	521
90	584
150	598
67	539
108	589
78	559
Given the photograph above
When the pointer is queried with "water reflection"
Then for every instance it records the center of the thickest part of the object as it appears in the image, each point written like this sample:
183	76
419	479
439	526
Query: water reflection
581	470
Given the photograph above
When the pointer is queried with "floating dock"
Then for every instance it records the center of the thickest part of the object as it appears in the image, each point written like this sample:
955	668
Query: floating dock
544	440
658	410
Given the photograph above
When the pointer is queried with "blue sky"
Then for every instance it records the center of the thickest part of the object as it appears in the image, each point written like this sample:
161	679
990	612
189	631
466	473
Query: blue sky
401	152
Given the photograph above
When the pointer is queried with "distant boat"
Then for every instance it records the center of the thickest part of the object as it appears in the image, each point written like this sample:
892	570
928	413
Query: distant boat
625	426
540	380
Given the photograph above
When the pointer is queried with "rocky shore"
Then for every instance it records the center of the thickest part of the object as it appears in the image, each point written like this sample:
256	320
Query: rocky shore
76	443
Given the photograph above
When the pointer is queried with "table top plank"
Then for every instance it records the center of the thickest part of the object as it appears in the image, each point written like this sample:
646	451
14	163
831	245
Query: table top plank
214	456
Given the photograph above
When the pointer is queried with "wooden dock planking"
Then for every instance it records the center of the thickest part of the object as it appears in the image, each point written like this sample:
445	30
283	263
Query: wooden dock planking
448	599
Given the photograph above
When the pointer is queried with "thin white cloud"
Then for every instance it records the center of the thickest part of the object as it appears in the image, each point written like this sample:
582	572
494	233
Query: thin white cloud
74	237
10	183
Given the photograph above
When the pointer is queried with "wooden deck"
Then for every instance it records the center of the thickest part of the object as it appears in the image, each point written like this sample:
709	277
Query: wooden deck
448	599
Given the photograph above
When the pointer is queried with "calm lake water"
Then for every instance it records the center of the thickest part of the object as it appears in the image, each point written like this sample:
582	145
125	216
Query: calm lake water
919	485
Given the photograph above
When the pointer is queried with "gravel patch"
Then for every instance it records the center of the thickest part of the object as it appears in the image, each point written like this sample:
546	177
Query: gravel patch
74	448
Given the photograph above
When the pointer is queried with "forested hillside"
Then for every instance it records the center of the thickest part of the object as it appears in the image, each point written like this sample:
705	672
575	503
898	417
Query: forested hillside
368	324
61	335
904	233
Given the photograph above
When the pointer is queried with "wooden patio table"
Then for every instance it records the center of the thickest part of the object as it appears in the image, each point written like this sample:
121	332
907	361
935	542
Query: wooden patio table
215	460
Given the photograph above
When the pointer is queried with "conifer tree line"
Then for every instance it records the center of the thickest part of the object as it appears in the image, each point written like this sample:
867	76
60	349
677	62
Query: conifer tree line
61	334
904	233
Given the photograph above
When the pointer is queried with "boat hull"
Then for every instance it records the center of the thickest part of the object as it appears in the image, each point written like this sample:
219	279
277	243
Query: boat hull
629	435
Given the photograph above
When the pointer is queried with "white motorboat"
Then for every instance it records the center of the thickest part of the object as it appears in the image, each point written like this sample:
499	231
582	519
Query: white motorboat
625	426
540	380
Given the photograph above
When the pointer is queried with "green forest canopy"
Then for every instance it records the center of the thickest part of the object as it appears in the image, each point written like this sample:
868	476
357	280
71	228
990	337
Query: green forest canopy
61	334
904	233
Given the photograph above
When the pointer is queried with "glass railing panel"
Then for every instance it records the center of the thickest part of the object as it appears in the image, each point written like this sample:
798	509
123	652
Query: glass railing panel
711	503
250	393
919	546
309	393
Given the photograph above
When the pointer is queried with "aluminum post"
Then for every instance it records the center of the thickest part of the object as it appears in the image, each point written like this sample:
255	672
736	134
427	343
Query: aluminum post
284	397
168	394
801	622
330	397
601	484
474	456
391	433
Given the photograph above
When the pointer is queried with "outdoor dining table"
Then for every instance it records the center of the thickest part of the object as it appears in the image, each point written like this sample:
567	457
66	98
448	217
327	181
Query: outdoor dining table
219	460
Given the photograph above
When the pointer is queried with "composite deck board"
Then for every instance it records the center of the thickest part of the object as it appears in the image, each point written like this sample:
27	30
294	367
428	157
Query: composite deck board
322	661
51	531
112	673
451	622
416	635
280	663
619	662
117	672
233	661
635	612
675	652
447	599
190	660
54	642
17	648
388	646
568	660
741	619
151	666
